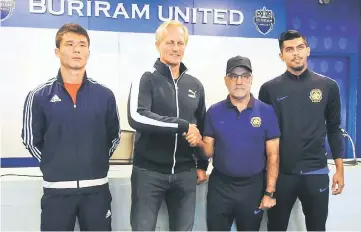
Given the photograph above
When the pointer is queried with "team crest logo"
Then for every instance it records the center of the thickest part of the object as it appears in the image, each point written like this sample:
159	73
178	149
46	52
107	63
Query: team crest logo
6	9
264	20
256	121
316	95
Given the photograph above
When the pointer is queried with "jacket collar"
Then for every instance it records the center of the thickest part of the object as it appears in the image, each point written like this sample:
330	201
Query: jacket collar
303	76
165	70
61	81
249	105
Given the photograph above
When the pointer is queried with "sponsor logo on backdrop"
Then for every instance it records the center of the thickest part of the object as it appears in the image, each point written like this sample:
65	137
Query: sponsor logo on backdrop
264	20
6	9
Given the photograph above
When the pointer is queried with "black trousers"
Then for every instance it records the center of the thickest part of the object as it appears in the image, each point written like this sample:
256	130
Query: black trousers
312	191
150	189
230	199
59	212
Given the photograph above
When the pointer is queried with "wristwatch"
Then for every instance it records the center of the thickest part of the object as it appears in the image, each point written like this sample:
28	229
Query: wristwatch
270	194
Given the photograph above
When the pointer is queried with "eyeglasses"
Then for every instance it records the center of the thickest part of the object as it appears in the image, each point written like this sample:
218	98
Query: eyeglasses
234	77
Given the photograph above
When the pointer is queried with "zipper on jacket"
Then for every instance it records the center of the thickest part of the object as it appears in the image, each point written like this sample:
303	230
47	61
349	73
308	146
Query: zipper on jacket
74	114
74	105
177	104
76	135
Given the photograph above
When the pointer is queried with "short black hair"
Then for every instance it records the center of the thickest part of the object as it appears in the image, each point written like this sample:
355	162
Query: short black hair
70	27
290	35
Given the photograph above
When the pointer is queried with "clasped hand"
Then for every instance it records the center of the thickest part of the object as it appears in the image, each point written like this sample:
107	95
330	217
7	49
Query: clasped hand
193	136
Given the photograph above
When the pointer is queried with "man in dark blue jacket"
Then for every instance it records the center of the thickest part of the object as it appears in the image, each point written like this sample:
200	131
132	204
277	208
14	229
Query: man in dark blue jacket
308	107
165	104
71	126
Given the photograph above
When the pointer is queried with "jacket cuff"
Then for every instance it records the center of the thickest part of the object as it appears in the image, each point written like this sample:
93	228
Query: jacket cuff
183	126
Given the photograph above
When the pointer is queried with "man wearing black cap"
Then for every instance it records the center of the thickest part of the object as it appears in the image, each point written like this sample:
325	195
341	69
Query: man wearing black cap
243	128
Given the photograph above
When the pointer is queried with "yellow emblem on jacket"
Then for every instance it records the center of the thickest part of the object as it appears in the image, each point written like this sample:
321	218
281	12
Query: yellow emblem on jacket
316	95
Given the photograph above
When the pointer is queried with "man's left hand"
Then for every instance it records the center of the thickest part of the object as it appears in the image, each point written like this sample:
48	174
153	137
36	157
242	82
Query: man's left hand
338	183
201	176
267	202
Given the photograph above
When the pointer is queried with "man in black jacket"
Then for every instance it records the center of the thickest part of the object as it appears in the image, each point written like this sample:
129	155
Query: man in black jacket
308	106
165	105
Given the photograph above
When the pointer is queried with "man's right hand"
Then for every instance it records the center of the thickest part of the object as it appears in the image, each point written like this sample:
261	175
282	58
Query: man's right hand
193	136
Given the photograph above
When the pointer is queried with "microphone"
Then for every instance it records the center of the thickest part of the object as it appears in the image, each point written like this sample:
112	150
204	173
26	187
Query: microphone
346	135
343	132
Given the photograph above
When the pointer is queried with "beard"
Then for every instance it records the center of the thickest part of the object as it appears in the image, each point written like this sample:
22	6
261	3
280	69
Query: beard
297	69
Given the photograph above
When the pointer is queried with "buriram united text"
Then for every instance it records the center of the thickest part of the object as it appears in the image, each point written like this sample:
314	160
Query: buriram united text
135	11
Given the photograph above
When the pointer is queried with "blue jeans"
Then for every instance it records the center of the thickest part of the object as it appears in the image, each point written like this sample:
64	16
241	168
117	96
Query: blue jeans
150	188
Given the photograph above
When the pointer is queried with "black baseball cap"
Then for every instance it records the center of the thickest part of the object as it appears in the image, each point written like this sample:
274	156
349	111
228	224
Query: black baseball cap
238	61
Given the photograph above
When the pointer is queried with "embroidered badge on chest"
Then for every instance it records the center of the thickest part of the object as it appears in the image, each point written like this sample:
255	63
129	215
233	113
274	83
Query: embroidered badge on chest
316	95
256	121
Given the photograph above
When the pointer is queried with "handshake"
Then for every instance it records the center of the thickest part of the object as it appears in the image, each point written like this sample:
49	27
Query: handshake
193	136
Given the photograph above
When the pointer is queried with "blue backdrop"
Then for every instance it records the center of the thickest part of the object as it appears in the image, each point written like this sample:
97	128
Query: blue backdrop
121	16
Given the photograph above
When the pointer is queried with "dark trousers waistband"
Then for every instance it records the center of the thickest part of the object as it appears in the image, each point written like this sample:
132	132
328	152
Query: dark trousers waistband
228	178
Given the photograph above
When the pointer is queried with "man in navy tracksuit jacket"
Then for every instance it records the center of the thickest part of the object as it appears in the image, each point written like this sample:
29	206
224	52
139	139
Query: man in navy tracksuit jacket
71	126
308	107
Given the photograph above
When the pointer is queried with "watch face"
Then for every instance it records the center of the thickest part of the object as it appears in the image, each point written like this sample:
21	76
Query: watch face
273	195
